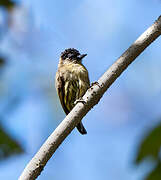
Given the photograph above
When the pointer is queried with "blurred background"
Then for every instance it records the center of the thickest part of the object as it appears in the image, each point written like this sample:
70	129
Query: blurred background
124	131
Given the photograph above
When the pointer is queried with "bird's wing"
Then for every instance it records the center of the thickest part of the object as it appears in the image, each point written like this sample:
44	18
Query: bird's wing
60	86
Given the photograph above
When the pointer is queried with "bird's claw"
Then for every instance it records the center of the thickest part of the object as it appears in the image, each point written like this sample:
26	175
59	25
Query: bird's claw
95	83
79	100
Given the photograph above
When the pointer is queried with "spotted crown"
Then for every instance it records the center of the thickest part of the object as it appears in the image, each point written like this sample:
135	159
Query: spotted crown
70	53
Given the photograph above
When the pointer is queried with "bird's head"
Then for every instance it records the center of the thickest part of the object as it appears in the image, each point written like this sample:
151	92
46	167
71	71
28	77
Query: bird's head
72	55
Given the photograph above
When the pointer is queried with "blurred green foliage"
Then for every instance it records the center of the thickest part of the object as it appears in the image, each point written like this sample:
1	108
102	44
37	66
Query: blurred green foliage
150	149
8	146
2	62
150	146
8	4
155	174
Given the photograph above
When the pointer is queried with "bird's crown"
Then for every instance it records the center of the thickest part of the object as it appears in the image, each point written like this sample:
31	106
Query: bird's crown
70	53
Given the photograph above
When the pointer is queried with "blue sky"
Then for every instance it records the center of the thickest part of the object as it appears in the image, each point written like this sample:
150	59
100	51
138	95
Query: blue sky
39	32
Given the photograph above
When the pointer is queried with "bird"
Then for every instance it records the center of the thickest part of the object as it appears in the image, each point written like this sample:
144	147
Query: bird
71	81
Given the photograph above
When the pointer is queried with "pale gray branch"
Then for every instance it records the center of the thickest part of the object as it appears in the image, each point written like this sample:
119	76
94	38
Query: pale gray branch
92	97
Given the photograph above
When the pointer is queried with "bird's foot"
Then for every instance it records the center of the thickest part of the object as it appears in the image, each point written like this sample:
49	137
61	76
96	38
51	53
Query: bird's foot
95	83
79	100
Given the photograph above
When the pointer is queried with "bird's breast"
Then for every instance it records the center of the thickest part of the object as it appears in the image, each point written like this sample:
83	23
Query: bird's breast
74	72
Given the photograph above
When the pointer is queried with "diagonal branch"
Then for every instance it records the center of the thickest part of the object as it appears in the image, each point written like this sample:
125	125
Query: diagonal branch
92	97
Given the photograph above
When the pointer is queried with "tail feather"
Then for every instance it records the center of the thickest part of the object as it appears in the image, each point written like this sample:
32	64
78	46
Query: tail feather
81	128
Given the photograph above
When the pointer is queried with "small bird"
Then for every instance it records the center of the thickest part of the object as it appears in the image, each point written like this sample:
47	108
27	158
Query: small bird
71	81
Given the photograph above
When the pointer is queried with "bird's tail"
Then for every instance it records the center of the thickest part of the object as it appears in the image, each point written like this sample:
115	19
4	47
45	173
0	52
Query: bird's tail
81	128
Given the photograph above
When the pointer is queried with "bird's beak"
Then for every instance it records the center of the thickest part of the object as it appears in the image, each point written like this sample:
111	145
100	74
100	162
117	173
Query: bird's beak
82	56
